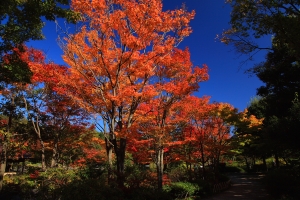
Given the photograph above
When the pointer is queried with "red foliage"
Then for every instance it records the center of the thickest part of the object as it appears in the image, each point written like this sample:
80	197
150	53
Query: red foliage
34	175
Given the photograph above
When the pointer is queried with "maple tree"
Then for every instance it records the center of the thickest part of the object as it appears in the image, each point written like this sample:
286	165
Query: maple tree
191	149
155	126
35	95
221	118
64	119
247	139
160	119
125	54
205	137
54	117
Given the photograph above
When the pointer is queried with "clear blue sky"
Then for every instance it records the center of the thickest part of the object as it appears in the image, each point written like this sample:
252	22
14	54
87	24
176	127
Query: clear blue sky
228	82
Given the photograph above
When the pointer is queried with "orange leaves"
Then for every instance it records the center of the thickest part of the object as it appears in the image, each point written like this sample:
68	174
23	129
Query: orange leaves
207	128
42	71
125	55
249	124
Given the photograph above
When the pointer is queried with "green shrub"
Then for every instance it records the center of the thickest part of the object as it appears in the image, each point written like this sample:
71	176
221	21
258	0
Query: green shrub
24	182
136	176
181	189
178	174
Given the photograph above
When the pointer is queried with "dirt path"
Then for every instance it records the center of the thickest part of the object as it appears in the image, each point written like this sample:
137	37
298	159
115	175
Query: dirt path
243	186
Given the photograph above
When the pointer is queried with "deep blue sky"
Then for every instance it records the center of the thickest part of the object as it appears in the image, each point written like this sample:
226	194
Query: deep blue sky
228	82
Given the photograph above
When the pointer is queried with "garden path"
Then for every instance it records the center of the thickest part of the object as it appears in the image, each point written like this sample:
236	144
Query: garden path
243	187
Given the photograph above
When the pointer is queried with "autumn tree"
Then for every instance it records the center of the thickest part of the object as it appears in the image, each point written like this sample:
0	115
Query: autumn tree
55	117
78	146
208	131
123	55
157	125
62	119
192	141
221	119
248	140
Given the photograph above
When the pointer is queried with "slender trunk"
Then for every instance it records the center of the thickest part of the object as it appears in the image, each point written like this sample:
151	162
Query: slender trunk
202	161
43	154
54	155
217	162
247	163
160	167
253	160
120	156
23	166
265	168
277	160
35	124
189	170
188	164
109	152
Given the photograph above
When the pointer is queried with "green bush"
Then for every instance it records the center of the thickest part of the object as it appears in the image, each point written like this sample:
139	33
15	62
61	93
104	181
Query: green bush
136	176
178	174
181	189
26	185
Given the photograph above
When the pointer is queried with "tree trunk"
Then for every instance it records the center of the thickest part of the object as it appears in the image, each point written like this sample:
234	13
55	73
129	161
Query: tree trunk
265	168
189	164
3	163
120	156
247	163
202	161
160	167
217	162
23	166
43	155
277	160
253	160
54	155
189	170
109	152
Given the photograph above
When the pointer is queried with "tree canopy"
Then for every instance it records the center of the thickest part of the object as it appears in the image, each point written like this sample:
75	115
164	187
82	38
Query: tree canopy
22	21
251	20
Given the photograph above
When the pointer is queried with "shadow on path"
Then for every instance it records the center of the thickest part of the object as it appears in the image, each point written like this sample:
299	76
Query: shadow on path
244	186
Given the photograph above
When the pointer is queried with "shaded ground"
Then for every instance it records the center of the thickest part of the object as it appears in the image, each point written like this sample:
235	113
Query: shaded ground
244	186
